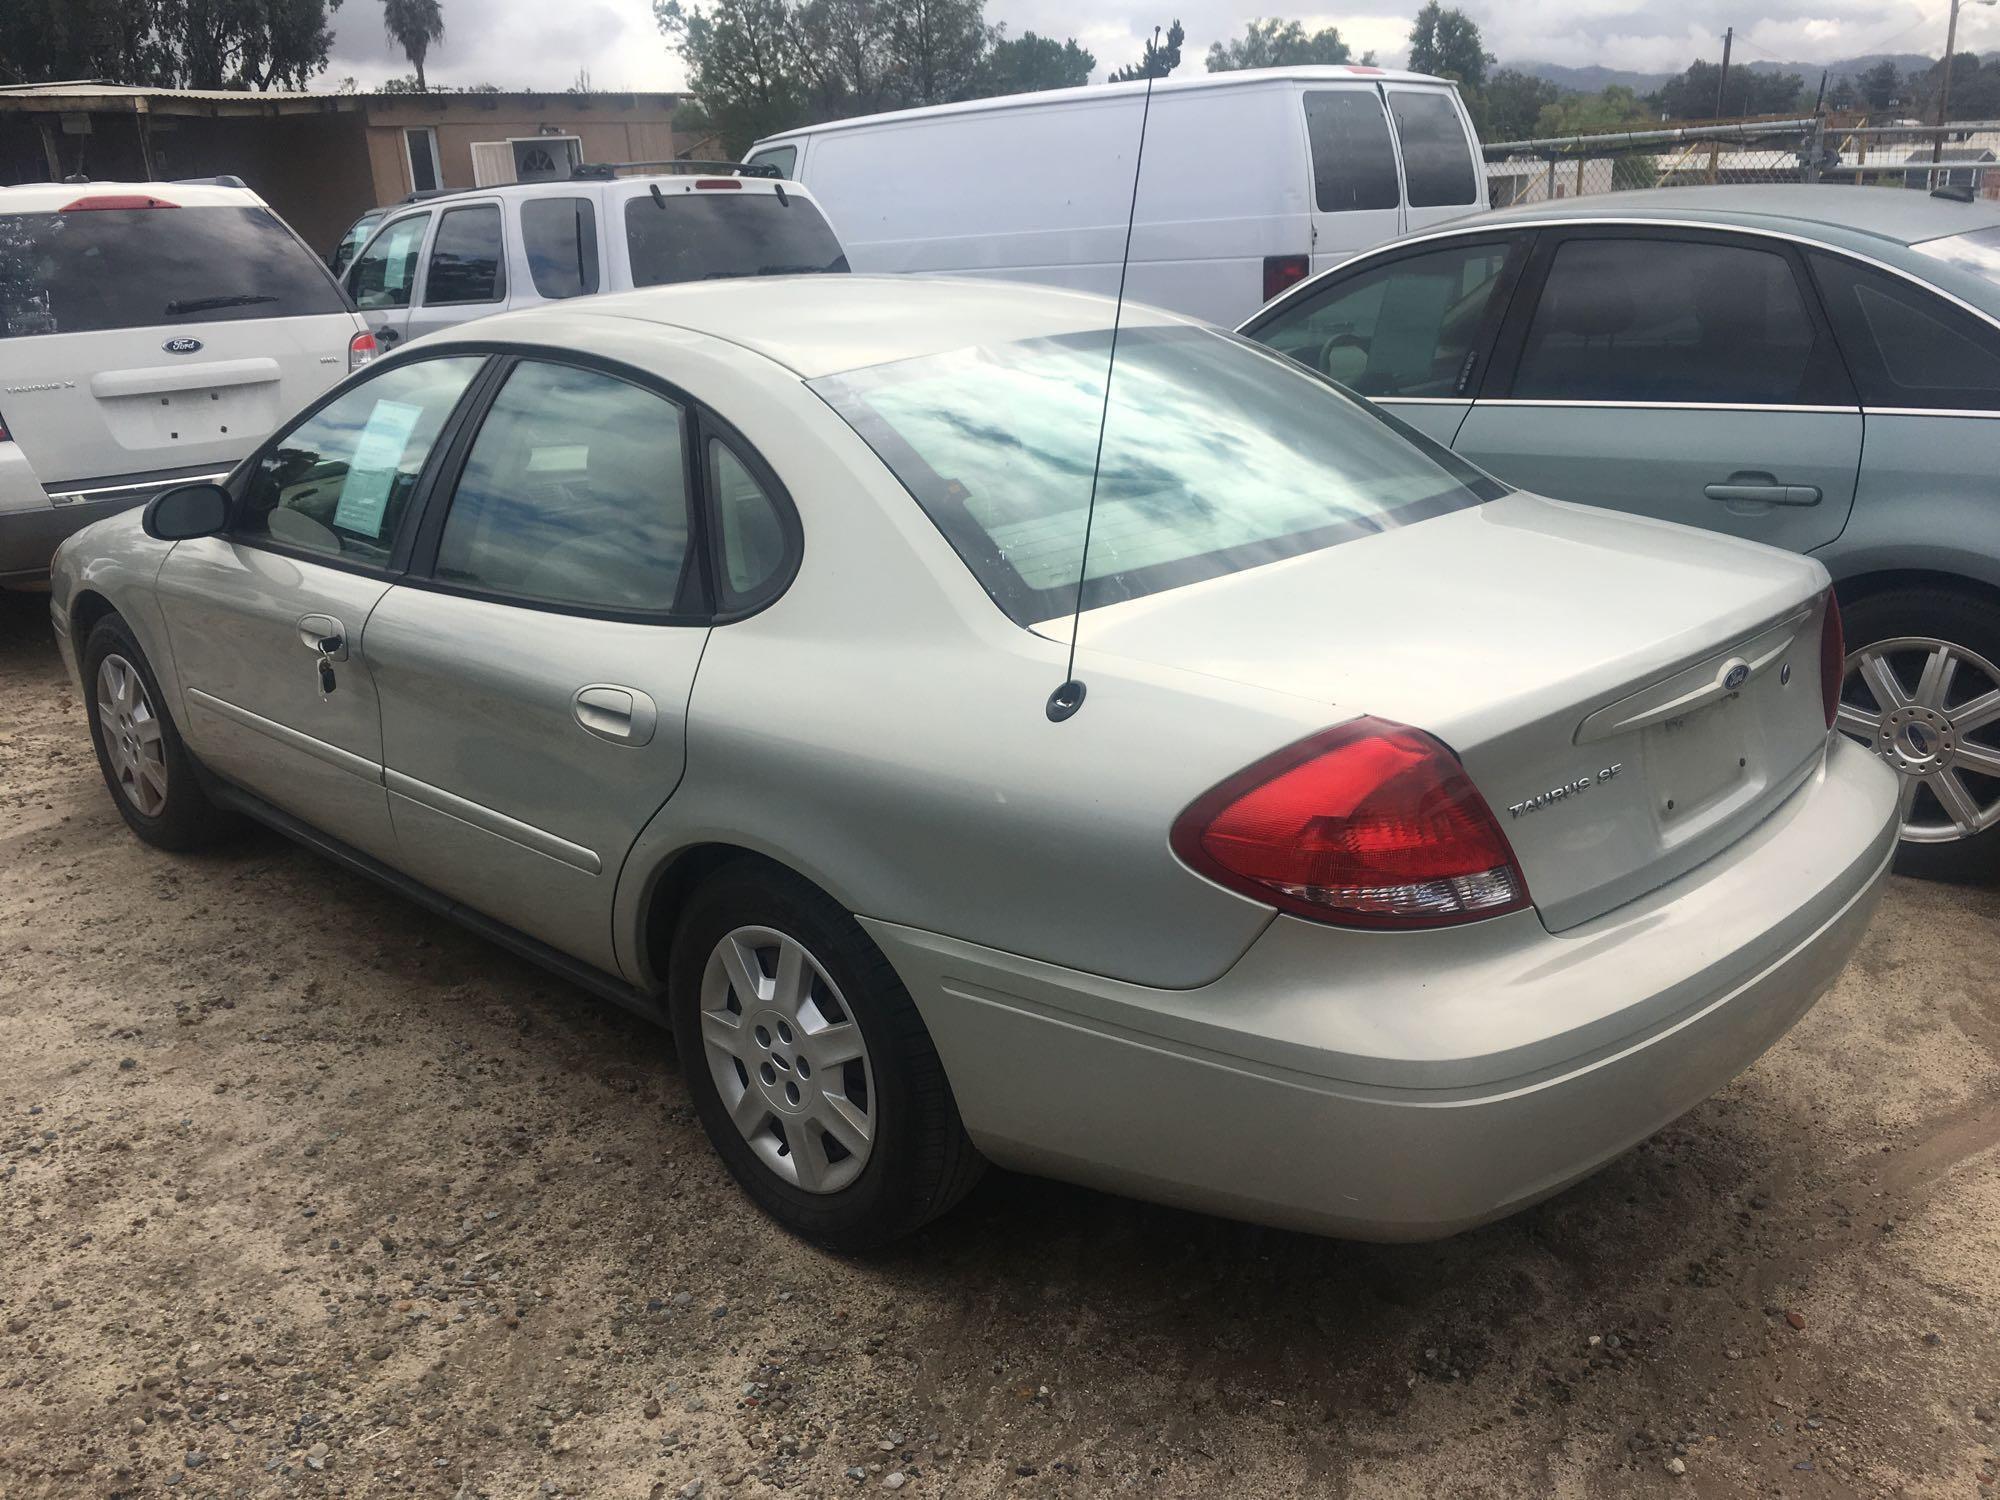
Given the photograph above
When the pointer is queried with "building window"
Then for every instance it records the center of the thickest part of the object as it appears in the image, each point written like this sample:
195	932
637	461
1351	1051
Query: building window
421	143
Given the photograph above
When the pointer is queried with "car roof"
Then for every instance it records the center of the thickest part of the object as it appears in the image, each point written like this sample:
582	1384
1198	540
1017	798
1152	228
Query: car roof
557	186
1903	216
1236	78
822	325
49	197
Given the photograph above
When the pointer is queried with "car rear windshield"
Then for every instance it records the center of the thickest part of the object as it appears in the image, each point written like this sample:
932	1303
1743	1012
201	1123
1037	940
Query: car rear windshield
92	269
1218	456
1977	251
707	235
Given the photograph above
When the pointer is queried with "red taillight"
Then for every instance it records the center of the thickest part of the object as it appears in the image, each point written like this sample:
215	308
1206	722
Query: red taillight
1832	657
4	437
361	349
1371	824
1282	272
717	182
114	200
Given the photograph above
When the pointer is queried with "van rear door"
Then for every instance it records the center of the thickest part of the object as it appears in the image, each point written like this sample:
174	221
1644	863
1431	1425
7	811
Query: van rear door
1356	197
161	339
1443	177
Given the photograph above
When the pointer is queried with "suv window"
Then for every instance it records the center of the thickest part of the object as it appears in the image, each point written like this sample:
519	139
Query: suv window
1668	320
1907	347
1402	329
385	272
339	482
1354	165
784	158
91	269
560	238
1437	162
465	258
703	235
574	493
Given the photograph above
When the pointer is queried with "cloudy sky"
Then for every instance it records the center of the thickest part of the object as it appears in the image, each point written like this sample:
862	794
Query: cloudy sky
536	44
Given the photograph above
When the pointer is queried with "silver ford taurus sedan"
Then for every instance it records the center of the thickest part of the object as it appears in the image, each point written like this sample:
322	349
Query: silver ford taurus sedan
1418	845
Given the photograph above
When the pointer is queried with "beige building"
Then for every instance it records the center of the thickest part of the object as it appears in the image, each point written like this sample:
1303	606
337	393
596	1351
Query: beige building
320	159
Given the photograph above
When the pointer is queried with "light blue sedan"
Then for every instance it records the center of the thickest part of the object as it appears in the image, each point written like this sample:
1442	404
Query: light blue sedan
1813	367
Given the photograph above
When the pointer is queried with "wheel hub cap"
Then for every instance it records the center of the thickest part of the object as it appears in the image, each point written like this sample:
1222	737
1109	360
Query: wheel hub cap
788	1059
129	730
1931	709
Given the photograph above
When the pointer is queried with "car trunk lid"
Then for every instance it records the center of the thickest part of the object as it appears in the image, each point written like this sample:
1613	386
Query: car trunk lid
1630	697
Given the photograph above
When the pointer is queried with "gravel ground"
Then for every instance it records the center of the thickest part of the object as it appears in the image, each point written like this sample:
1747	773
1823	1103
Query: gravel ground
302	1192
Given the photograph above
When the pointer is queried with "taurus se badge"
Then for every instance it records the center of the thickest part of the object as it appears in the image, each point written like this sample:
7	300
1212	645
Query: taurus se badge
1564	792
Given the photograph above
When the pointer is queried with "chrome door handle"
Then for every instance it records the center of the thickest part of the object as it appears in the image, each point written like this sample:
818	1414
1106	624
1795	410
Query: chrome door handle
1761	489
323	635
622	715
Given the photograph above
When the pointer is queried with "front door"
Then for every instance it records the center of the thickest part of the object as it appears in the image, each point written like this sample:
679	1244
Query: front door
383	279
1678	374
1357	200
535	684
269	623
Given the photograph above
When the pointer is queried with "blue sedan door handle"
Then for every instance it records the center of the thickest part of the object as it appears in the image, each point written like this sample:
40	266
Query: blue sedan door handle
622	715
1749	488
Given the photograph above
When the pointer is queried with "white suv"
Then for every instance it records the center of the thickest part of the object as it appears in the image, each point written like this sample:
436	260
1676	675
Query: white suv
447	259
149	332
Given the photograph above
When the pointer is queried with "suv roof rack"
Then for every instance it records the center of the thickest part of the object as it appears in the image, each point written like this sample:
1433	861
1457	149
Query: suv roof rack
604	171
227	179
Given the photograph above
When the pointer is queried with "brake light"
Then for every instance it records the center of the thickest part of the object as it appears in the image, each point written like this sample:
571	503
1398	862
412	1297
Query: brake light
1283	272
717	182
1370	824
4	438
1832	658
114	200
361	349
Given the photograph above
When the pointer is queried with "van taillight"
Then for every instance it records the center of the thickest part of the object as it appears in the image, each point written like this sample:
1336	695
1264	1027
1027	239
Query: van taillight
361	349
1832	658
1283	272
1370	824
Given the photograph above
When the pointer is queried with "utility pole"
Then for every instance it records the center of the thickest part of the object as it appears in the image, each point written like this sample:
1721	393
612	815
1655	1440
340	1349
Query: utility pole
1944	84
1721	82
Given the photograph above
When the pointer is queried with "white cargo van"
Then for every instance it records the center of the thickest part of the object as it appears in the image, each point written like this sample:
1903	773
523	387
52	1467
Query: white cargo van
1252	181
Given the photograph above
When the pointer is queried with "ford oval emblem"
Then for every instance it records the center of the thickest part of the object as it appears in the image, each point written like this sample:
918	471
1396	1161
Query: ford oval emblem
1738	674
182	346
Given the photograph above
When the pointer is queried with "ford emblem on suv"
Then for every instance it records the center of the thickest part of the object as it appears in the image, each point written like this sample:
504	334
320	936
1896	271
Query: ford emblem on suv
182	346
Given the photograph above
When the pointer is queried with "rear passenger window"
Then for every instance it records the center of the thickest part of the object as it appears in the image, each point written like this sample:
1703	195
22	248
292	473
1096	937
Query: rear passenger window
1907	347
574	493
339	482
1670	320
560	238
1437	162
1403	329
1354	165
465	258
750	528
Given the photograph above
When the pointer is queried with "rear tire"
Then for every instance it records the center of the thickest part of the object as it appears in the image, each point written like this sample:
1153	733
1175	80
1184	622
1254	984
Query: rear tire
1941	651
146	766
821	1090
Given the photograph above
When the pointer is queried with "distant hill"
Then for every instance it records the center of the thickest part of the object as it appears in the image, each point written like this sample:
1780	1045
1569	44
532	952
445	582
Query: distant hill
1588	80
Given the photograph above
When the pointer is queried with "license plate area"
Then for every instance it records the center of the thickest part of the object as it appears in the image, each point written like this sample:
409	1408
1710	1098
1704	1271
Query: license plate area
1700	765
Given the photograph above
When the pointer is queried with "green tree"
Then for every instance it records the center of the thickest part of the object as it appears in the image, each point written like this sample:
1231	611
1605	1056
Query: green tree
934	47
1692	95
1510	106
1158	60
1447	44
1882	86
1975	89
211	44
415	26
1279	44
843	56
744	65
1028	63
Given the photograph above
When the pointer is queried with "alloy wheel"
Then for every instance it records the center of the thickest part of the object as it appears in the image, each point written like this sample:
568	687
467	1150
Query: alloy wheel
1931	709
788	1059
134	740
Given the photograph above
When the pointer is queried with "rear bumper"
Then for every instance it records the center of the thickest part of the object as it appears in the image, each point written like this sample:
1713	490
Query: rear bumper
1407	1086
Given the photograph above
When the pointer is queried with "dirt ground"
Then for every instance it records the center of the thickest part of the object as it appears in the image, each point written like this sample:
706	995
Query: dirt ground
302	1192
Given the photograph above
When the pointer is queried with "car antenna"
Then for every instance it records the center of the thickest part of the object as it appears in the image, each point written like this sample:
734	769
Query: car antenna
1068	698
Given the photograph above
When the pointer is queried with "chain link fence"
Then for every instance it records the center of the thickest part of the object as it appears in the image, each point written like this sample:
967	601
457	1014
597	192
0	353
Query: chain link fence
1963	158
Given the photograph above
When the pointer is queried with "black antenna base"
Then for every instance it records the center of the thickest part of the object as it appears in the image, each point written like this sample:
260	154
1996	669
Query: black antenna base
1065	701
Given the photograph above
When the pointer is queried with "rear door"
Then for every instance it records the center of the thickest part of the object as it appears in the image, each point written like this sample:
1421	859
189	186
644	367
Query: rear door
1681	374
1356	197
158	341
1442	174
465	268
1411	329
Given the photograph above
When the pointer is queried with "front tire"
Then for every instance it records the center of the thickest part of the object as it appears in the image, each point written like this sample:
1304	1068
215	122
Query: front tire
148	770
809	1065
1922	690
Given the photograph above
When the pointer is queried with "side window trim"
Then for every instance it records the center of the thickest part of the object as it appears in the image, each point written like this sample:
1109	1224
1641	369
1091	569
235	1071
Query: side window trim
1504	364
427	480
697	587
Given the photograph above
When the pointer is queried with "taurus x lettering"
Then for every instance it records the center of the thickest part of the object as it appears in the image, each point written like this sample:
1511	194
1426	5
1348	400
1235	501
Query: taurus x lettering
1564	792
